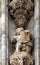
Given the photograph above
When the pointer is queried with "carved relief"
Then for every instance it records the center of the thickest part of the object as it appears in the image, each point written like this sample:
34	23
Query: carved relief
22	11
22	40
21	58
23	48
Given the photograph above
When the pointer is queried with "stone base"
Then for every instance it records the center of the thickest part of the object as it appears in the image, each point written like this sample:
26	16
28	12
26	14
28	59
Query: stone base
21	58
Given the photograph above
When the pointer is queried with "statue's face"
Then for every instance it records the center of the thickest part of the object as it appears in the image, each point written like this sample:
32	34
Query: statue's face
22	11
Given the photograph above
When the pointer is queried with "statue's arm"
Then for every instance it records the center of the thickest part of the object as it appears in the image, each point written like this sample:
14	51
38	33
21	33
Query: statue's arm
14	39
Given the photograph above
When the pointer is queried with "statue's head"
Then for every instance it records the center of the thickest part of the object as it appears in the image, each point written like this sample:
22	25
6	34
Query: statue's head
18	30
22	11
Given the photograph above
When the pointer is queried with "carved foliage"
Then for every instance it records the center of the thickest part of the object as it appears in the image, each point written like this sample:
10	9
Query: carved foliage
22	11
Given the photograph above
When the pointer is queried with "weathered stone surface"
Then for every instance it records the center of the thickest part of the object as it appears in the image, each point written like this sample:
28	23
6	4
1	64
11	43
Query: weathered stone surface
22	11
21	58
24	46
22	39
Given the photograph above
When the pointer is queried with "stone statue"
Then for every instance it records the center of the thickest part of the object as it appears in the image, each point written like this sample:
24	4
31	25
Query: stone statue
22	12
22	40
23	48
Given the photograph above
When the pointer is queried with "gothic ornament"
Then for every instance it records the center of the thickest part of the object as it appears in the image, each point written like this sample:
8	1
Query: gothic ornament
22	11
21	58
22	40
24	46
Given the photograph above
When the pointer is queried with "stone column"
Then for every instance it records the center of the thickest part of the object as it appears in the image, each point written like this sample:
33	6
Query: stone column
36	32
4	39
